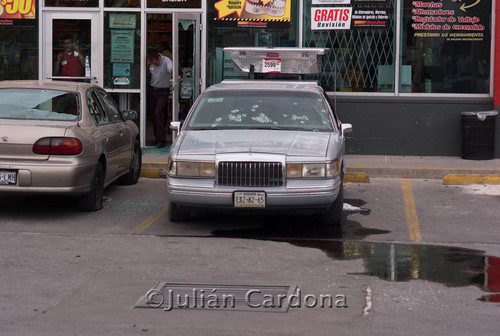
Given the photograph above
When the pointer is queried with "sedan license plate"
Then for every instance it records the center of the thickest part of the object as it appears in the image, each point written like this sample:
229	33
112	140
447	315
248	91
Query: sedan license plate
7	177
245	199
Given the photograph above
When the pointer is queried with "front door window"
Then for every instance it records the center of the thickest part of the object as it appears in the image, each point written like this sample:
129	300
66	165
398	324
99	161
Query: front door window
71	50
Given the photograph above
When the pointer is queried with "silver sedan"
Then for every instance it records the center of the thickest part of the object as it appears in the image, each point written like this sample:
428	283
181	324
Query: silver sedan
259	147
65	138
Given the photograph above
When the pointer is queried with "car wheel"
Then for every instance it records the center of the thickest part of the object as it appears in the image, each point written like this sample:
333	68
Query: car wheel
335	214
177	215
135	166
92	201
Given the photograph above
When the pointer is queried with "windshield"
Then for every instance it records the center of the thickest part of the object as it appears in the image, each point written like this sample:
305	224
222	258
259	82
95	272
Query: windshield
38	104
261	110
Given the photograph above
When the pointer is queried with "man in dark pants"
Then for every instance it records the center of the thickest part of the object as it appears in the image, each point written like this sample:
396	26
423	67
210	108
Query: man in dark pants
160	69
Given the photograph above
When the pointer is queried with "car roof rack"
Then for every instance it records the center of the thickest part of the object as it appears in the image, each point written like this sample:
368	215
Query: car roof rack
272	60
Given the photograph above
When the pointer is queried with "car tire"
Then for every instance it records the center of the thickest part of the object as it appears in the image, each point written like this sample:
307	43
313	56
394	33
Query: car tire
335	214
92	201
177	215
135	167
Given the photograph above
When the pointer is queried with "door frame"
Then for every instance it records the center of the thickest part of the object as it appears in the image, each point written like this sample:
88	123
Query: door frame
196	60
46	43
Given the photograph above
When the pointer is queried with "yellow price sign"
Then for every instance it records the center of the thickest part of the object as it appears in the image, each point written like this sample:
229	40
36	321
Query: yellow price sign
22	7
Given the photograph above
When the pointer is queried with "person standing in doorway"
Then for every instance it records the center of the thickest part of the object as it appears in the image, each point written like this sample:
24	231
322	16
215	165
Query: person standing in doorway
160	70
70	61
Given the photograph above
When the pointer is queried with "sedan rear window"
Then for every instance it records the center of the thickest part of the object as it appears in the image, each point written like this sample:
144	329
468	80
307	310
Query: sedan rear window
261	110
38	104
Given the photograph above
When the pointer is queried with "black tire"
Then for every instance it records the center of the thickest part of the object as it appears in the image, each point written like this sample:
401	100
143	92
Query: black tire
177	215
335	214
92	201
135	166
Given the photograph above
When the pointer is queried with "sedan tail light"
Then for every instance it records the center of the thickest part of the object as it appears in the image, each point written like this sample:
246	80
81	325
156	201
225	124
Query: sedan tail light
58	146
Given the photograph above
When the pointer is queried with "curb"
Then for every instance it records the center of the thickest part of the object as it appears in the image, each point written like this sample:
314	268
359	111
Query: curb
462	179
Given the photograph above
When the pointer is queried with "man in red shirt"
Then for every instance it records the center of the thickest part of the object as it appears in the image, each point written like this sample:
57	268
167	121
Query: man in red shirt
70	62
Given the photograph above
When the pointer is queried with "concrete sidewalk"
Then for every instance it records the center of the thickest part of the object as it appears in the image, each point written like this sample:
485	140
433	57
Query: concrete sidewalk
453	170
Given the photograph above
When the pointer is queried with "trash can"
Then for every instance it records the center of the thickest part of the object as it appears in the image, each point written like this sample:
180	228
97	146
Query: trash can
478	135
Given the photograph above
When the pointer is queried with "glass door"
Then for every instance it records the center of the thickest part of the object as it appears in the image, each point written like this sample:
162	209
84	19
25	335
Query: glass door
187	59
71	48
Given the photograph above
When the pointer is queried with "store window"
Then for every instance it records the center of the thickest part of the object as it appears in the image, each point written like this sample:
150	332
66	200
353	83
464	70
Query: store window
122	50
446	47
361	39
174	3
71	3
123	3
257	25
18	43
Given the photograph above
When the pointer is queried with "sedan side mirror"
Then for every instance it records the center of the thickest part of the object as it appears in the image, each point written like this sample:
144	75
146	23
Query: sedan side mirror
175	126
130	115
346	128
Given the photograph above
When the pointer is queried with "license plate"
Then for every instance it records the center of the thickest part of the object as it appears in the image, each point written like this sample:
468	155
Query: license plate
244	199
271	65
7	177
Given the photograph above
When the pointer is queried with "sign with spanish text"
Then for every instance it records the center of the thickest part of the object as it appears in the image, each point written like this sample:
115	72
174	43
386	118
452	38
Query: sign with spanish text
370	18
17	12
122	46
330	18
467	20
252	13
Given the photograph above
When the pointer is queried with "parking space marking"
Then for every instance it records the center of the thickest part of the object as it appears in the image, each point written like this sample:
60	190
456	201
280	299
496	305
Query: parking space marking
410	211
142	226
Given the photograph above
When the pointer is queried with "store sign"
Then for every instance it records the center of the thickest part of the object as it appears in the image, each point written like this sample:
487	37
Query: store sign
370	18
454	21
17	12
253	13
329	18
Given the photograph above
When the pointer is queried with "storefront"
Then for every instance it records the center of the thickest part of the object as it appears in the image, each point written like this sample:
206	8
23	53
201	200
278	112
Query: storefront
400	71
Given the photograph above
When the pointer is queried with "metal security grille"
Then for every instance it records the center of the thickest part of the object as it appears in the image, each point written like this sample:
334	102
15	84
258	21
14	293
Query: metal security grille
250	174
359	59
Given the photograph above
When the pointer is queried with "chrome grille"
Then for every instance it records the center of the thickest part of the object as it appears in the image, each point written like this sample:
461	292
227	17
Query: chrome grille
250	174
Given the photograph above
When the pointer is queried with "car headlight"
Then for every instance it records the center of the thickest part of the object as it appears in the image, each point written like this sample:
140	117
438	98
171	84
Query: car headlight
312	170
191	169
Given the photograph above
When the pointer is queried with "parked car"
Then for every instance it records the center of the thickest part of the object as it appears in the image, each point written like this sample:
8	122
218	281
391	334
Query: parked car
65	138
259	147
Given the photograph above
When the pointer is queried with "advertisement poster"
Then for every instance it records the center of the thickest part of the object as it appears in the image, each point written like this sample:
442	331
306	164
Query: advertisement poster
253	13
370	18
122	46
454	21
17	12
331	18
122	21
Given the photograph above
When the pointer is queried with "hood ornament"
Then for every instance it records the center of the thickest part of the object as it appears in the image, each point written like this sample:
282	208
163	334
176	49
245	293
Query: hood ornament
5	139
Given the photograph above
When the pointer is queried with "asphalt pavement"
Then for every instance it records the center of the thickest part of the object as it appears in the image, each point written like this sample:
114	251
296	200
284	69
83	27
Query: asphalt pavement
452	170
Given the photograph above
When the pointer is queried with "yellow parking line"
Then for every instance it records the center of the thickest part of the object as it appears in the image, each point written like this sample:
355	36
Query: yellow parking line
410	211
141	227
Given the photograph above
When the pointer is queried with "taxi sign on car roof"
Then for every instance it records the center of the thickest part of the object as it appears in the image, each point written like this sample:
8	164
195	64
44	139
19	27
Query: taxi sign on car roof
277	60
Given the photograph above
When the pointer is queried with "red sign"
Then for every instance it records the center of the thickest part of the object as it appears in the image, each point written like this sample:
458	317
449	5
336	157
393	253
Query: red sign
329	18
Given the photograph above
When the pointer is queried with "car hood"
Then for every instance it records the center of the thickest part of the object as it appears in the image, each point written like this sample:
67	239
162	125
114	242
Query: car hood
283	142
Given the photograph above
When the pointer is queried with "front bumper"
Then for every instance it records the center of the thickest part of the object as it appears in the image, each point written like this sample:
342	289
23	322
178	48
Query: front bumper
297	194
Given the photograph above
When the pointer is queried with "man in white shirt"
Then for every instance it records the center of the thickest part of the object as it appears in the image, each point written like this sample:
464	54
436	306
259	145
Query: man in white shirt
160	69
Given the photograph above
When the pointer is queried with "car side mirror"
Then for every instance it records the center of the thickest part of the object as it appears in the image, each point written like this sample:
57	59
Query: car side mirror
346	128
130	115
175	126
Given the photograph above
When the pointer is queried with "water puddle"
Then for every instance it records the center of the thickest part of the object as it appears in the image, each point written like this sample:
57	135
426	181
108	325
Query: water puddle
451	266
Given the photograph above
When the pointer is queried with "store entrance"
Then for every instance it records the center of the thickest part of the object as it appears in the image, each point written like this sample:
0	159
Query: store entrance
176	36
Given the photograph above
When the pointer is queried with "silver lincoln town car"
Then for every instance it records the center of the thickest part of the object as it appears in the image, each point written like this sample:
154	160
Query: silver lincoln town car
259	147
